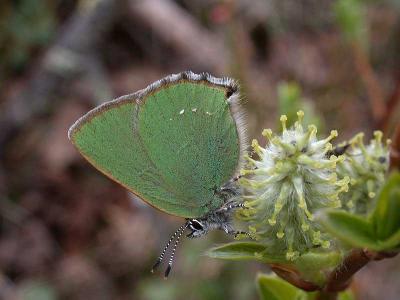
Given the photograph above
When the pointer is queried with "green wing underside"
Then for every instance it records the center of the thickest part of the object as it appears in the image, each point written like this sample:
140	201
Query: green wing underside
172	150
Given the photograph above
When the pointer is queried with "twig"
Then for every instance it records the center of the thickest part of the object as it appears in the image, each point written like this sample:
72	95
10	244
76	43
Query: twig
340	278
375	94
326	295
178	29
391	106
395	149
61	63
293	277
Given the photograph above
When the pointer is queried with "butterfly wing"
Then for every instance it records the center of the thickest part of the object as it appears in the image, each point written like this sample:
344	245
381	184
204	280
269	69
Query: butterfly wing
171	144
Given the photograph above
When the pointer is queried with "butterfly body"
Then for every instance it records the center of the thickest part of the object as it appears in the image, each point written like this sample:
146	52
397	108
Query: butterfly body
220	219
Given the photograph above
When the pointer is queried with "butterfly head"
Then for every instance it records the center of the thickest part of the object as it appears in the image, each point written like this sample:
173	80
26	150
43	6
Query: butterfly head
198	228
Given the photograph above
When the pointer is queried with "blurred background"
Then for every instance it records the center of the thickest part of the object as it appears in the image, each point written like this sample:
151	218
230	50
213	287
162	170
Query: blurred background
66	231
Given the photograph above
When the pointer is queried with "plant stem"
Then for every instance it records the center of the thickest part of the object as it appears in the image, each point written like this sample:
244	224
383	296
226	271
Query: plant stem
326	295
372	86
395	150
340	278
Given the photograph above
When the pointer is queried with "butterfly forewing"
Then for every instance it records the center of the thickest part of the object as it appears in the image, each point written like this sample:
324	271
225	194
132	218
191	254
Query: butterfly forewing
106	140
172	149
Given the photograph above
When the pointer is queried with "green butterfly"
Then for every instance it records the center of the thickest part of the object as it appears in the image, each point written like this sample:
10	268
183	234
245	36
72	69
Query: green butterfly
178	144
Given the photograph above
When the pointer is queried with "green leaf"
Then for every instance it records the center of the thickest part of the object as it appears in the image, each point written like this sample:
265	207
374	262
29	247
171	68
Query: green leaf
37	290
379	233
291	101
244	251
351	229
319	260
350	16
346	295
386	217
274	288
391	243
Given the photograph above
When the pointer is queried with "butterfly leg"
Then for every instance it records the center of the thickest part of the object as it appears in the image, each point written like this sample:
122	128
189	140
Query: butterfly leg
235	233
231	205
234	179
228	189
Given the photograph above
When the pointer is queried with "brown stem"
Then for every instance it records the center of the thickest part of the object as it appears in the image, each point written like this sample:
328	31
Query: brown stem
181	31
293	277
322	295
341	277
391	106
371	84
395	149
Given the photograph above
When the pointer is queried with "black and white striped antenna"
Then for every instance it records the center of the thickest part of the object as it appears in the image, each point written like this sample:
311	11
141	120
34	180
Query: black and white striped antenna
171	259
177	234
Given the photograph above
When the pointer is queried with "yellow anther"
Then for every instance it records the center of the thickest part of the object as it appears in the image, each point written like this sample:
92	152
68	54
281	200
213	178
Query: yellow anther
328	147
316	238
254	143
292	255
247	171
341	158
272	222
344	188
300	115
325	244
305	227
359	137
250	160
256	147
313	129
283	120
337	204
333	157
378	136
371	188
267	133
344	181
302	203
309	215
280	234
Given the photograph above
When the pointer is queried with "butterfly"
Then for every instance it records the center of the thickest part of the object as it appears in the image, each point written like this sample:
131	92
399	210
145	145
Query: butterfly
178	145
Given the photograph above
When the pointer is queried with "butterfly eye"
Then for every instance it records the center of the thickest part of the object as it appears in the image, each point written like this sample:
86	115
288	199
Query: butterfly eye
196	225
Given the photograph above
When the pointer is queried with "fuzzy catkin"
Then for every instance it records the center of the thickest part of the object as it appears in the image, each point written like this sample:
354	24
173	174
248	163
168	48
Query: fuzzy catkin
367	166
291	180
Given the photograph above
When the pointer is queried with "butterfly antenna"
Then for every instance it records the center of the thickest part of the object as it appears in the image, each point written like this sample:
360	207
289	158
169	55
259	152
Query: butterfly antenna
160	258
171	259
